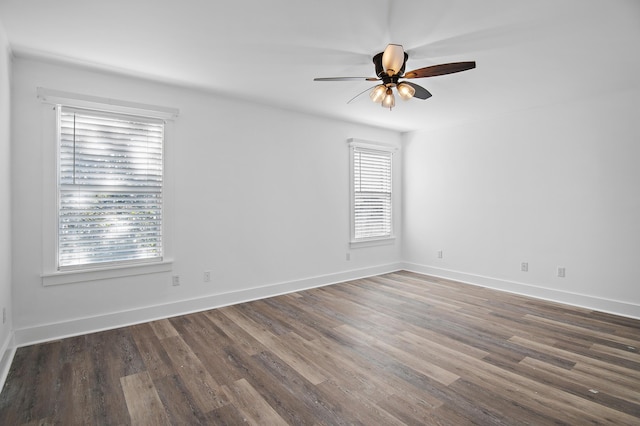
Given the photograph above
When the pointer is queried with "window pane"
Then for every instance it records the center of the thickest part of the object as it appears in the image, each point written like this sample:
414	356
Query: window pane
372	193
110	196
98	150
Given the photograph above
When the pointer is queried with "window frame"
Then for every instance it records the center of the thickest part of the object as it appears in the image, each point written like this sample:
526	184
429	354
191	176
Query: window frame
100	189
353	144
51	274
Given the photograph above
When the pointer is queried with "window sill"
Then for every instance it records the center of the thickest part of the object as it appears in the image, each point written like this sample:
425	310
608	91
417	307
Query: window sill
372	242
70	277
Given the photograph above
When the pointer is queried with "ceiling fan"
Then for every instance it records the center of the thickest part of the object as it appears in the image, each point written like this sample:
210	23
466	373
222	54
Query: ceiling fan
390	66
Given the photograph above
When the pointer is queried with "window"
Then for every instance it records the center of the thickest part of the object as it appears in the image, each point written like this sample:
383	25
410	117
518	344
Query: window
371	199
110	189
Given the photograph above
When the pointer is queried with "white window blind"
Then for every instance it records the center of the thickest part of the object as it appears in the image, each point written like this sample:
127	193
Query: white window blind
372	193
110	188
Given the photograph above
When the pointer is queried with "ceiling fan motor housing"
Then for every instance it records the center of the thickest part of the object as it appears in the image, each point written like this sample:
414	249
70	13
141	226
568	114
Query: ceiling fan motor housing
380	71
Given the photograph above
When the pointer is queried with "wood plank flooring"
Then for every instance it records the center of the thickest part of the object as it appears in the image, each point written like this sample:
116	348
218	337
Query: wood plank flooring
400	348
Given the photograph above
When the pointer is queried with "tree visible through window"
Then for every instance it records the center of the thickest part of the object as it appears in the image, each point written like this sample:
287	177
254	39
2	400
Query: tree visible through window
110	170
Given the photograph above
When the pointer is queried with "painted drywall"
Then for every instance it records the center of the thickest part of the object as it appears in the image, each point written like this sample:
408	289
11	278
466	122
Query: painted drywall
554	187
261	199
5	197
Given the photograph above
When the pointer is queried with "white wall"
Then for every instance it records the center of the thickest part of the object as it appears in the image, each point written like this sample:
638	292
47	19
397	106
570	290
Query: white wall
555	186
261	200
5	198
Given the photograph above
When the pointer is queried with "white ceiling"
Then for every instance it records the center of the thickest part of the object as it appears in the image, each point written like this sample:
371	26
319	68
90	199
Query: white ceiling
528	53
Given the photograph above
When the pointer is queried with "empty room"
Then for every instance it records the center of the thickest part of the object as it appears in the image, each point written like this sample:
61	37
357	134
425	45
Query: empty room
373	212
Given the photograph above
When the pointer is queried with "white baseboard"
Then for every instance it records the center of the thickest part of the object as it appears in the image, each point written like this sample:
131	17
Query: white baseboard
47	332
7	351
581	300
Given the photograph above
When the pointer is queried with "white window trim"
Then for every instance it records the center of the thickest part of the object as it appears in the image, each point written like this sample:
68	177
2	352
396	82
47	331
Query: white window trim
375	241
50	274
57	97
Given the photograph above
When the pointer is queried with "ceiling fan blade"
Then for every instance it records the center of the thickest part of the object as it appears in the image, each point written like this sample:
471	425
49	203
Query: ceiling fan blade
421	92
441	69
361	93
344	79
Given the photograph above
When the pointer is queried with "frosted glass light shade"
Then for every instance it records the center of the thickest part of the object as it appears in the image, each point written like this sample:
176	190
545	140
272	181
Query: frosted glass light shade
378	93
389	100
406	91
392	59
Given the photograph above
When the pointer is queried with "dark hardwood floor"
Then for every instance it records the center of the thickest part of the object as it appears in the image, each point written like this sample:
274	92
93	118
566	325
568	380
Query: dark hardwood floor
401	348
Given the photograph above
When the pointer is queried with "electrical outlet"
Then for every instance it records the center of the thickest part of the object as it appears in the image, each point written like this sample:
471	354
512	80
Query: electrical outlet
524	267
561	272
348	256
439	254
206	277
176	280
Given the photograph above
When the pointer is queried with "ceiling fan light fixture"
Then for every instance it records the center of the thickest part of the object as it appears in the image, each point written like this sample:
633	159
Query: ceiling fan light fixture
378	93
393	59
389	100
390	68
406	91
